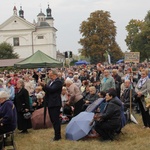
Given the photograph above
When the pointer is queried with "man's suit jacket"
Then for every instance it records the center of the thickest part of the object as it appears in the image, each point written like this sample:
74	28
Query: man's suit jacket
53	93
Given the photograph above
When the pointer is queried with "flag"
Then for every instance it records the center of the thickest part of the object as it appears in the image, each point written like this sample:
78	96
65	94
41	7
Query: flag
109	59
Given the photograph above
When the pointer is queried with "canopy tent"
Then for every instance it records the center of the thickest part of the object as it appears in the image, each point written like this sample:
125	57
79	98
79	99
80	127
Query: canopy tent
120	61
81	62
38	60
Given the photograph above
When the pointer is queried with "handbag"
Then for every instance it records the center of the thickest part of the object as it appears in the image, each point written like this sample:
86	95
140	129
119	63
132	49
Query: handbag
27	115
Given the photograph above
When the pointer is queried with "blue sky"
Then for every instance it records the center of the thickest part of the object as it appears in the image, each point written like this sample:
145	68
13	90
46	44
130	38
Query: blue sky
69	14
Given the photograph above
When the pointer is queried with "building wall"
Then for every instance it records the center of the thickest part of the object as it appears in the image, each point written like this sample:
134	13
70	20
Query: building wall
28	34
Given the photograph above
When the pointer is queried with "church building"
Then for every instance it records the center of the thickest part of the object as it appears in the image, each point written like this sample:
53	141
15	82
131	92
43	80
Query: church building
27	38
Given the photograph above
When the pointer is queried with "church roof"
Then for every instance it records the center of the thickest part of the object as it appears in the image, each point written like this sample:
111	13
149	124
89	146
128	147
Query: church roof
41	14
44	24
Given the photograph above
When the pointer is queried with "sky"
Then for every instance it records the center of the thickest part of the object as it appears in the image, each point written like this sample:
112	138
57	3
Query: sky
69	14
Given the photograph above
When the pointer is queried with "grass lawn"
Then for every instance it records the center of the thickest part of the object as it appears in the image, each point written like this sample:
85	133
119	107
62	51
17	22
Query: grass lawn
134	137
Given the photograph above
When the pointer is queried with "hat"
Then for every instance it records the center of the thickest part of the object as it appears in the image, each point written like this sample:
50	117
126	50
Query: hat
4	94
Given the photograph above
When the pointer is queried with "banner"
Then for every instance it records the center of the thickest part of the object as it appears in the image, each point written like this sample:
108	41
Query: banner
132	57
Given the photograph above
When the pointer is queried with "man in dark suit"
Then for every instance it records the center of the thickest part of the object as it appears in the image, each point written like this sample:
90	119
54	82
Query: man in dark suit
53	98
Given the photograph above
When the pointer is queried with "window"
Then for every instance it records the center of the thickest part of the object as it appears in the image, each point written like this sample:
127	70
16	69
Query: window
40	37
16	41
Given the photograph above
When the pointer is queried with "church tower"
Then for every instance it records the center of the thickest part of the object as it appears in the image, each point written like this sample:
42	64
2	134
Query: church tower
21	12
49	18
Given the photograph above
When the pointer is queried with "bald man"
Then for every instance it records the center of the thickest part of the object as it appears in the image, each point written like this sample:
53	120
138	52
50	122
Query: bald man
125	97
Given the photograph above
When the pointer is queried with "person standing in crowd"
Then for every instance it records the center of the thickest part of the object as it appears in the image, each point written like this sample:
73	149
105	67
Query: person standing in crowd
53	98
28	85
21	102
118	81
76	98
107	82
142	89
77	81
1	85
94	77
14	79
10	89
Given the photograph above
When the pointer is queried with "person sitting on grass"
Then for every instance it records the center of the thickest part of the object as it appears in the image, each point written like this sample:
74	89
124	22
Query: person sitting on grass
107	122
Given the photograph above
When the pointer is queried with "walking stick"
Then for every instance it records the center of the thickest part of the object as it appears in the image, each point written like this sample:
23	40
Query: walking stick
130	102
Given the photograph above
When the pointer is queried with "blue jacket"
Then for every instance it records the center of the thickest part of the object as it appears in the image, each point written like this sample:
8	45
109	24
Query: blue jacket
8	116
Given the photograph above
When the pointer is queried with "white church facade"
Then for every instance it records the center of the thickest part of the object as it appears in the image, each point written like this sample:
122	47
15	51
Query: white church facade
27	38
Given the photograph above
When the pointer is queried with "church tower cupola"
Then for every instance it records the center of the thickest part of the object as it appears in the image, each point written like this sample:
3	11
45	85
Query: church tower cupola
15	10
49	15
49	18
41	17
21	12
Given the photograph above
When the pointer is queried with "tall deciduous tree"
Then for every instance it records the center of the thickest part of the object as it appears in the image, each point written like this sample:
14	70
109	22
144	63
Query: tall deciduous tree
7	52
98	36
138	38
133	28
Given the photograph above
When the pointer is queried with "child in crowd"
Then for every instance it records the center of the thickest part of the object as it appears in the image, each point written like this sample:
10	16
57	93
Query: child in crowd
39	94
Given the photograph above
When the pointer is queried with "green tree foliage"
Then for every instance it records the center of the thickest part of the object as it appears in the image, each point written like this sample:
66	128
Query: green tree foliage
7	52
133	28
98	36
138	38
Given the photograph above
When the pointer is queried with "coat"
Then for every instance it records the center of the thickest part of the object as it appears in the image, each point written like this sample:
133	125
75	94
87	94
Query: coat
53	93
112	113
108	84
21	102
73	90
8	117
145	89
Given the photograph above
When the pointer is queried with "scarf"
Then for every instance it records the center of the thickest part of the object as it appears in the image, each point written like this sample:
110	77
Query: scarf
141	82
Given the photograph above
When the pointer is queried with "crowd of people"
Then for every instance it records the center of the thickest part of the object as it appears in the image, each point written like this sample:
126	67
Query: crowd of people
71	90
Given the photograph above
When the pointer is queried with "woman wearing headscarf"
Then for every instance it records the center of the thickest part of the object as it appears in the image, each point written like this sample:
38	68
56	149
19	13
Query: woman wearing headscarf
21	102
143	89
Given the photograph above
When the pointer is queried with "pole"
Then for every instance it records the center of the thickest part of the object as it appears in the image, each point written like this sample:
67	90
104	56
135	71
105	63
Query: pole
130	112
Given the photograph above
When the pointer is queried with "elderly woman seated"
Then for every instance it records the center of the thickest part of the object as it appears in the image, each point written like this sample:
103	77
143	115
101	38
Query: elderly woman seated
8	116
91	97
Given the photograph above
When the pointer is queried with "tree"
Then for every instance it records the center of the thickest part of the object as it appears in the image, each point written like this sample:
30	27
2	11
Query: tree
133	28
7	52
98	36
138	38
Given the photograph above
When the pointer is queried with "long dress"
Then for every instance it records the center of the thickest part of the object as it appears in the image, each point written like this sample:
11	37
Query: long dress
21	102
